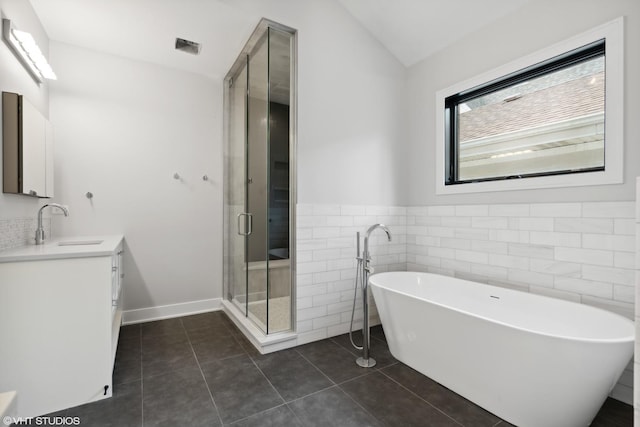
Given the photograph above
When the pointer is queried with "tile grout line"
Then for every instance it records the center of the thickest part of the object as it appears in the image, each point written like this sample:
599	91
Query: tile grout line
332	339
294	414
333	383
355	401
424	400
288	404
141	380
266	378
202	373
262	412
315	367
336	384
245	353
348	352
312	393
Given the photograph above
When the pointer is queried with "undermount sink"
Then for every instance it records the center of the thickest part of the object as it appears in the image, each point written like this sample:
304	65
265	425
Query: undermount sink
80	242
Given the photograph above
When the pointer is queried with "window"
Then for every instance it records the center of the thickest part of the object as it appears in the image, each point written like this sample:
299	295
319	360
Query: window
538	125
547	119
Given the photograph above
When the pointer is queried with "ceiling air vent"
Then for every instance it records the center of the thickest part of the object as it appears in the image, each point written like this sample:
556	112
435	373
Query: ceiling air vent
188	46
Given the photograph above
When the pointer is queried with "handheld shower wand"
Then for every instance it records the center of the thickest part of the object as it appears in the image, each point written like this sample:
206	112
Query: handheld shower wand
355	291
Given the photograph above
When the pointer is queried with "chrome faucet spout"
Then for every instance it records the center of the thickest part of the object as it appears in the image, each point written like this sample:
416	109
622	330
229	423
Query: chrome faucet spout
383	227
40	237
368	233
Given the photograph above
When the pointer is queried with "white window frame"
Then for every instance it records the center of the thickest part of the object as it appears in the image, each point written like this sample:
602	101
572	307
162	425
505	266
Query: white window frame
613	33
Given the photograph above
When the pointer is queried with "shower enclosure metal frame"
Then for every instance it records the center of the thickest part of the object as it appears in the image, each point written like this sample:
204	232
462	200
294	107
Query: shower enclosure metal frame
263	28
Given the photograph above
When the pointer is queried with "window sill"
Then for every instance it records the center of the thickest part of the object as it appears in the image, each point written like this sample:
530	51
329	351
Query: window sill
554	181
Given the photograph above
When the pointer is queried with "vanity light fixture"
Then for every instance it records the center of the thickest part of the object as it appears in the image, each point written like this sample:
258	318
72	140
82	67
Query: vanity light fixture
27	51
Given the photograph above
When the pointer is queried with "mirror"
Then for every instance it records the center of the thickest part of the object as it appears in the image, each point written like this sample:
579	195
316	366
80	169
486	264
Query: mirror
27	148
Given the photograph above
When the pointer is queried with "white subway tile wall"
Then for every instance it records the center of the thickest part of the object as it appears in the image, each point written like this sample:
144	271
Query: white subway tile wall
326	266
18	232
581	252
577	251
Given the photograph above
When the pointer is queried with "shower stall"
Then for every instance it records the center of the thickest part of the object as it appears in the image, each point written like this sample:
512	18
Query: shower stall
259	184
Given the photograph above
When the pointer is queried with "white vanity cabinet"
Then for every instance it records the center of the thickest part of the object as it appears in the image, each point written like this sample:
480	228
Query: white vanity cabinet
60	315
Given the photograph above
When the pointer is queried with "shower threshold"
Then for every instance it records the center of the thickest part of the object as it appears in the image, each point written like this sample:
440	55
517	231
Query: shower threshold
262	342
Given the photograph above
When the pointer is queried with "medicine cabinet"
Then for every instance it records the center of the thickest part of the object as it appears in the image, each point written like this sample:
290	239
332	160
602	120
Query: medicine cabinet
27	148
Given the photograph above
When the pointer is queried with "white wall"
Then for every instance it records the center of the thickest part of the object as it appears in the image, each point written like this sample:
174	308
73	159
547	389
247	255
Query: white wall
350	105
351	113
451	235
535	26
123	128
15	78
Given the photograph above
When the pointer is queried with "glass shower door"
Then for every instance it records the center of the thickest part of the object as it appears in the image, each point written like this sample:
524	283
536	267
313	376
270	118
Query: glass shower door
258	184
237	222
279	265
258	209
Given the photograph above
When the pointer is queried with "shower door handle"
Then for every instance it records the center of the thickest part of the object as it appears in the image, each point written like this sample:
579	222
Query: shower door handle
249	223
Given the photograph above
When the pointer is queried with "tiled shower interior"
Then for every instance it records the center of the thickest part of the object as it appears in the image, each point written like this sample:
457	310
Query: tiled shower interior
582	252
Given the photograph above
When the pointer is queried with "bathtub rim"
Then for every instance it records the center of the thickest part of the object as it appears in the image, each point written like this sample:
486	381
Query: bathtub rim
625	340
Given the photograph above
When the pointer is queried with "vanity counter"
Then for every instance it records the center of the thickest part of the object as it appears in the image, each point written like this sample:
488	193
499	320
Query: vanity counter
64	247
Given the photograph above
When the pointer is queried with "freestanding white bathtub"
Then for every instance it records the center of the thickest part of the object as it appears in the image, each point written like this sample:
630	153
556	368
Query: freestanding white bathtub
529	359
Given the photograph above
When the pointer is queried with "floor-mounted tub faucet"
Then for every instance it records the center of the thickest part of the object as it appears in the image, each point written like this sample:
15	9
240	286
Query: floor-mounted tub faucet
365	361
365	254
40	229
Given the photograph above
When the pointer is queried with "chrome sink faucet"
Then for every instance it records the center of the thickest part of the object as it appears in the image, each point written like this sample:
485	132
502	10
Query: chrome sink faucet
40	230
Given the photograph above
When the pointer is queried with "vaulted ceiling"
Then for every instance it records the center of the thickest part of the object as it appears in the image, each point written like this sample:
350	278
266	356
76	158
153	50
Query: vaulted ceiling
146	29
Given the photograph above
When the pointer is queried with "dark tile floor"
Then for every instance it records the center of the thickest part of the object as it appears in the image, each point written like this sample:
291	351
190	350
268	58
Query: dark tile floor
201	371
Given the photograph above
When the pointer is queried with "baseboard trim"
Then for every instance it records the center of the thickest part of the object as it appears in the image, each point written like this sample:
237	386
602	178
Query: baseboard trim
160	312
